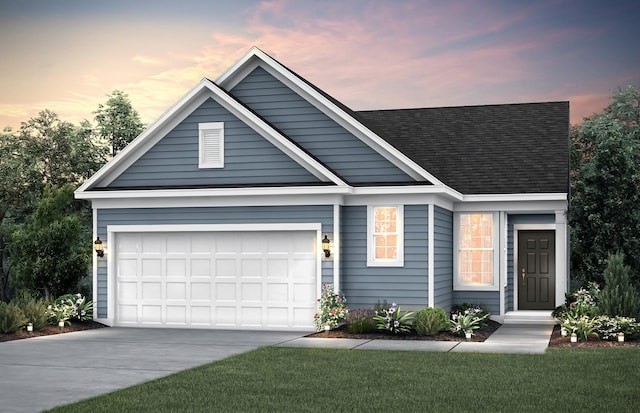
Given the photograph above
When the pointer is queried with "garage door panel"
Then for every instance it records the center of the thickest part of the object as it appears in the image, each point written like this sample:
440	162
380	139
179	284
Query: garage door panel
151	244
176	268
178	244
201	291
226	315
151	291
224	279
127	267
152	314
201	268
200	315
177	314
251	292
277	267
304	268
151	267
225	267
277	293
128	313
176	291
251	268
127	290
225	292
251	316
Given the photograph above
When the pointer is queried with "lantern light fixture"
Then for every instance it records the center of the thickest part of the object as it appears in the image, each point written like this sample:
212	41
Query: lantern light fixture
326	246
97	246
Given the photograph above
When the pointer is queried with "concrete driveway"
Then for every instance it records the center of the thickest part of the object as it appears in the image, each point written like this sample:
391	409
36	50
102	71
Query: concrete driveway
45	372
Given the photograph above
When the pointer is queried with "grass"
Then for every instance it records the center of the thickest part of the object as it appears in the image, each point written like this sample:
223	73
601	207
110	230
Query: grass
312	380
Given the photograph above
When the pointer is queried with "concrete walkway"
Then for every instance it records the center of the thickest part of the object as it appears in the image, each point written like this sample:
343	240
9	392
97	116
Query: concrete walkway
508	339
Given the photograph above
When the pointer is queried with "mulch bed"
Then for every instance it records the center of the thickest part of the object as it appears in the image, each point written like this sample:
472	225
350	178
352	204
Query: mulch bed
50	330
478	335
558	341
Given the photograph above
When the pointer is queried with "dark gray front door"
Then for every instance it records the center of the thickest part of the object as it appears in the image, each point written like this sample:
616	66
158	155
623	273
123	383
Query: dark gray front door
536	270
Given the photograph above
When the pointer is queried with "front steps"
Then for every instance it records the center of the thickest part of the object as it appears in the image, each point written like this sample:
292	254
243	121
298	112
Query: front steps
529	317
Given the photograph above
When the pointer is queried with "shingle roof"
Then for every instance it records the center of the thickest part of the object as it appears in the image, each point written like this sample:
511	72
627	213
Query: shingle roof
490	149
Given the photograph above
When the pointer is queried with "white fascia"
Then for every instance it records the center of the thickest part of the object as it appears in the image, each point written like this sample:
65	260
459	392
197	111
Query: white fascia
149	137
252	59
515	203
170	119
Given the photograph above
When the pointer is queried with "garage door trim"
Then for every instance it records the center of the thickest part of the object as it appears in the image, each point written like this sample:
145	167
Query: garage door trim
113	230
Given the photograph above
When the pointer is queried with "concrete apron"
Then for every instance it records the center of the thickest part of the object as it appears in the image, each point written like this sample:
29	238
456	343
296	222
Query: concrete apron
45	372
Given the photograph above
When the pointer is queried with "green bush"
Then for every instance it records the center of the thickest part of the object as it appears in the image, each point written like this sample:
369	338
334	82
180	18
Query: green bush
12	318
430	321
619	297
34	310
361	321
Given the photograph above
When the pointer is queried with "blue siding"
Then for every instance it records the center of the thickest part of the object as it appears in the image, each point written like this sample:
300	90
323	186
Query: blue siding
314	131
511	254
248	157
365	286
443	258
209	215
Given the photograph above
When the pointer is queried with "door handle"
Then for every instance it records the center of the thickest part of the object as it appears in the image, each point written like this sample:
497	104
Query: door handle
524	275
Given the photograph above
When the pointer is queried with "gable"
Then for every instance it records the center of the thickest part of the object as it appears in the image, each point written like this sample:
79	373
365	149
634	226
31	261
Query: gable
330	143
490	149
249	159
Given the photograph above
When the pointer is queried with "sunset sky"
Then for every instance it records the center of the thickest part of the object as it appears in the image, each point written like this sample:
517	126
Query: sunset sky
67	55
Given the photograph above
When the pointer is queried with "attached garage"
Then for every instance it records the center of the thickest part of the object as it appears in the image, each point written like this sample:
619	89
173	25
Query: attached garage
235	278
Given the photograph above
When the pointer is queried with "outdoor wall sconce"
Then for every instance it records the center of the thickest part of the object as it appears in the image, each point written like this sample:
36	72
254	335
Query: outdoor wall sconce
326	246
97	246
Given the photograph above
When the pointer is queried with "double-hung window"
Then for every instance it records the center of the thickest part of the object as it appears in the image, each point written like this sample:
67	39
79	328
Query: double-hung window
477	259
385	236
211	145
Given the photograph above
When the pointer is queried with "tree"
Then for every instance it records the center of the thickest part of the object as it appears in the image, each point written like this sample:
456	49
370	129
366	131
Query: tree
45	152
118	122
604	212
49	252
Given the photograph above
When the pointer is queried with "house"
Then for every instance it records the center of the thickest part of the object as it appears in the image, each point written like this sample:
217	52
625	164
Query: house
215	216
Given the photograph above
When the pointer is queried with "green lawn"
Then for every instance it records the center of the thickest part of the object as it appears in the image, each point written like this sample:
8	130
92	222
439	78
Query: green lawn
313	380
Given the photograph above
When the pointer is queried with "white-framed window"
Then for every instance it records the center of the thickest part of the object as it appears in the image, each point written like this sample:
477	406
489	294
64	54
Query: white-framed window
211	145
476	264
385	235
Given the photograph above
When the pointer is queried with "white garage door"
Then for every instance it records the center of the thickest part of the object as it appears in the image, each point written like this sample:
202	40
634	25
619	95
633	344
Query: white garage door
261	280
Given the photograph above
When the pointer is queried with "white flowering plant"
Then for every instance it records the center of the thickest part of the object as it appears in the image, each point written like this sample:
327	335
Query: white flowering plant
467	320
332	308
609	327
70	306
393	320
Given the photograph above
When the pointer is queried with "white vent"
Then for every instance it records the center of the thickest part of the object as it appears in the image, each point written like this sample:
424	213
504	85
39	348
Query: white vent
211	145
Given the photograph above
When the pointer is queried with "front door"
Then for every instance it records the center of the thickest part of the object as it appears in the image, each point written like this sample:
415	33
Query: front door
536	270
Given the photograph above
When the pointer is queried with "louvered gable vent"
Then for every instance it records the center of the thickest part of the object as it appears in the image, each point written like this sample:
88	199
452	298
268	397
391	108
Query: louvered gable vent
211	145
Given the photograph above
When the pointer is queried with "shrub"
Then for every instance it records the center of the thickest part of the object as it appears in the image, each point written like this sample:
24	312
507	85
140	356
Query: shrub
12	318
34	310
583	326
332	309
430	321
609	327
619	296
361	321
393	321
581	302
